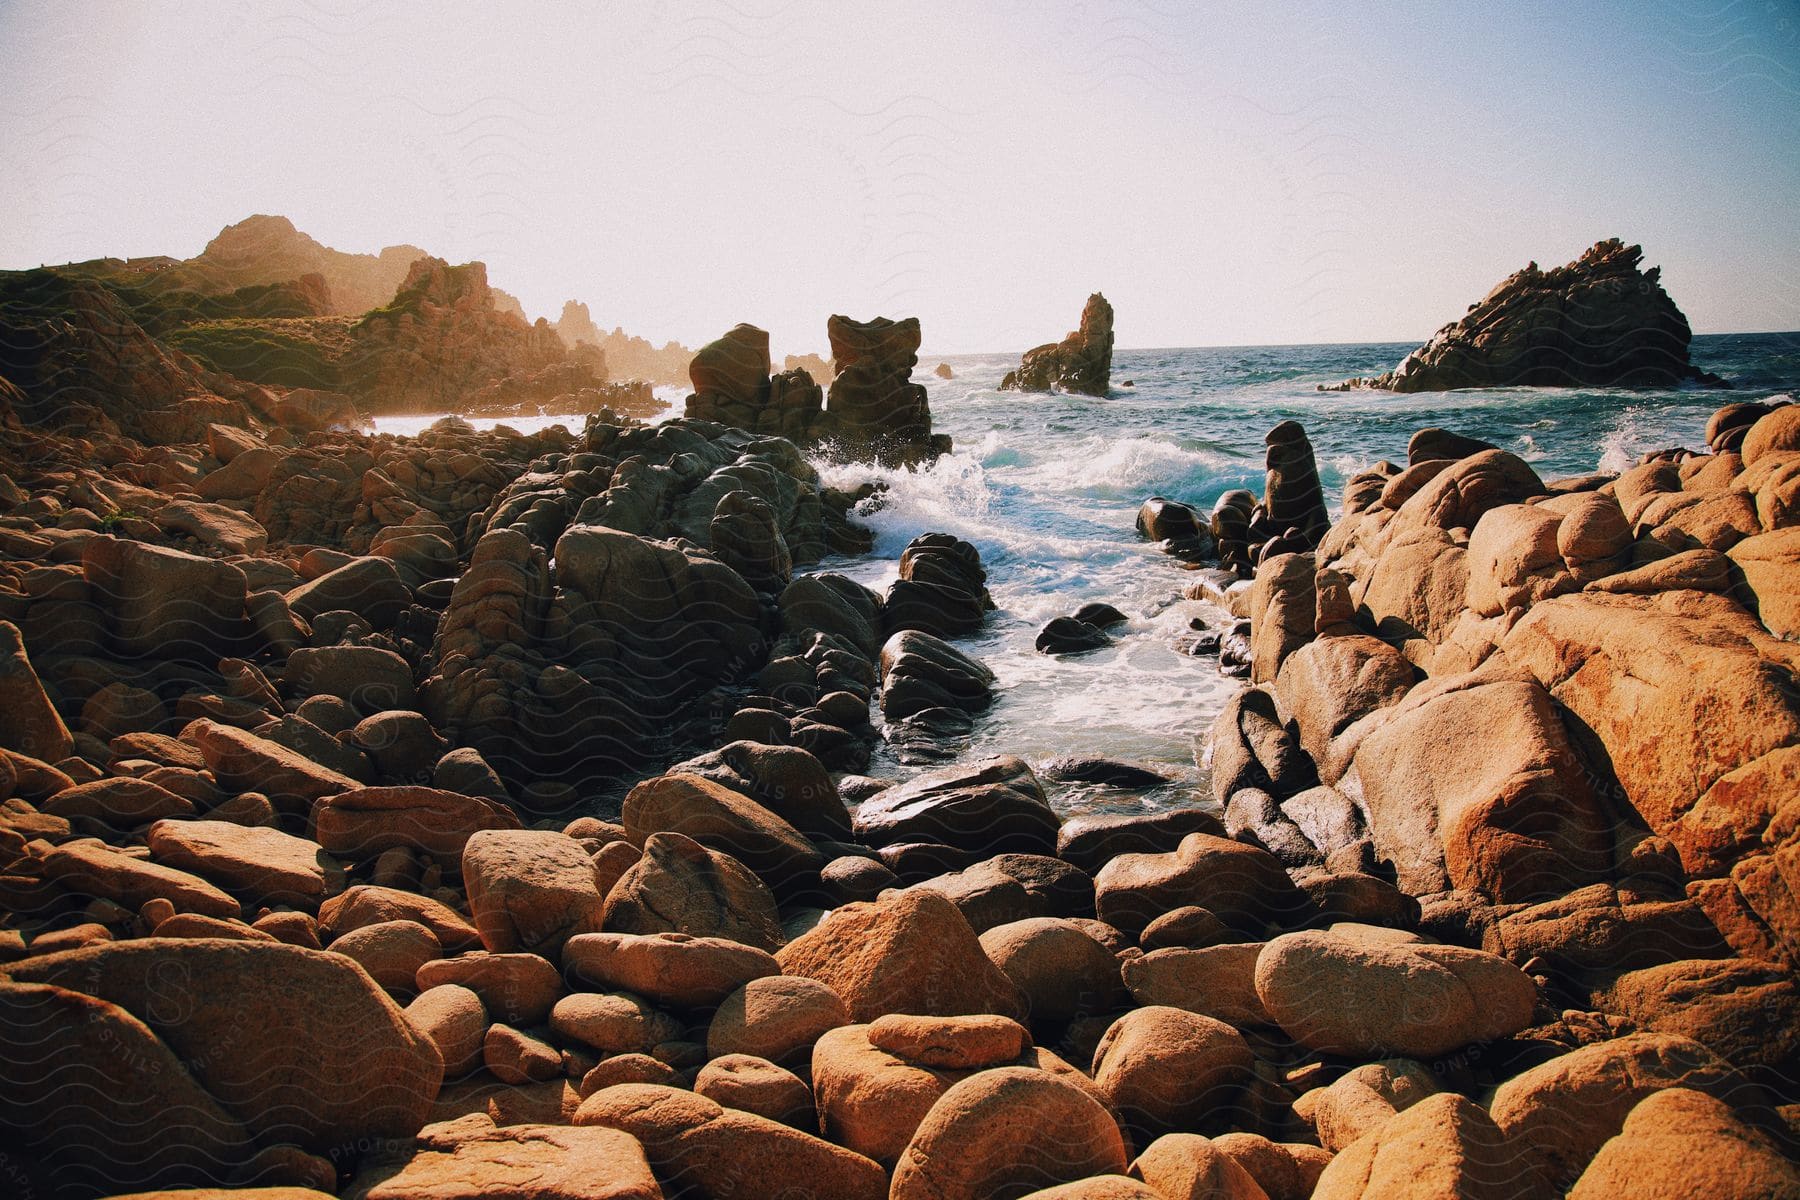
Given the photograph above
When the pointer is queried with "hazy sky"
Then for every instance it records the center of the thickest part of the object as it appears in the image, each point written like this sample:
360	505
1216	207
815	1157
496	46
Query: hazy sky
1226	173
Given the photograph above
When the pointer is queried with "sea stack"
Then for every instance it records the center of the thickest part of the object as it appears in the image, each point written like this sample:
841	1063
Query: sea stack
1599	321
1292	498
1081	362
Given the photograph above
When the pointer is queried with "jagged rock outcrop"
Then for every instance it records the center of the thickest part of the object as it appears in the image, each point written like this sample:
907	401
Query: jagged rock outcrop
441	339
80	361
1081	362
1599	321
875	411
627	357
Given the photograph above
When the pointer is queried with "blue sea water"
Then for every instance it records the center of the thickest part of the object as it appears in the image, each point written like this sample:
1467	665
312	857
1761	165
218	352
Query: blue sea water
1047	488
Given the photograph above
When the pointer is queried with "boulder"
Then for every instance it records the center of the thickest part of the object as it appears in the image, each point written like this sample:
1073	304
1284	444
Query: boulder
777	1017
1292	496
453	1019
1746	1012
1330	686
473	1159
786	780
33	726
364	822
89	868
909	952
673	969
166	604
1282	611
103	1102
679	886
1474	784
285	1075
1444	1145
1680	690
612	1023
727	1154
1005	1132
530	889
1187	1166
119	802
1362	997
756	1085
1561	1112
994	805
1599	321
366	904
1213	981
1363	1099
724	820
1091	841
957	1043
1081	362
370	587
264	866
244	762
1061	971
1245	886
1165	1070
392	952
517	988
1682	1142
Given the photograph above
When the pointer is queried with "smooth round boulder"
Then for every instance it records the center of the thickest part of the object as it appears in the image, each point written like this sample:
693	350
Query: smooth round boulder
667	968
777	1017
517	988
1682	1143
1187	1166
1164	1070
454	1019
1366	998
1061	970
959	1043
612	1022
1004	1133
756	1085
391	952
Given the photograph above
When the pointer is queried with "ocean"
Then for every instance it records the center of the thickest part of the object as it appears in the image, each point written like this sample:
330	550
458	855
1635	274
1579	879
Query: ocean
1047	488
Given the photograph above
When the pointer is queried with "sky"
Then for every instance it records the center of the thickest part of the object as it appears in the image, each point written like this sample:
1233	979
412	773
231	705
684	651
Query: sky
1226	173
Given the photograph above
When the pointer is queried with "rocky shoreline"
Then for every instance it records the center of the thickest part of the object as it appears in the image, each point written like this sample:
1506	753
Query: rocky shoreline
483	814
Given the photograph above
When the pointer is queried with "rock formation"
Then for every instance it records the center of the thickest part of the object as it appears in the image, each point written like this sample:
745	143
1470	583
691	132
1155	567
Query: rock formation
1081	362
627	357
875	411
343	852
1599	321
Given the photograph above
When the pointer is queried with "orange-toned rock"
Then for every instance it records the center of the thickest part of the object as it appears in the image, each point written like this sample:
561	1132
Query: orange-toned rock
1561	1112
244	762
63	1094
473	1159
756	1085
1165	1070
1003	1132
286	1075
1058	966
680	886
361	823
958	1043
265	866
667	968
455	1021
1187	1166
910	952
390	951
777	1017
727	1154
122	803
530	889
1681	1143
88	867
612	1022
365	904
33	725
725	820
519	988
1366	998
1442	1146
1245	886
